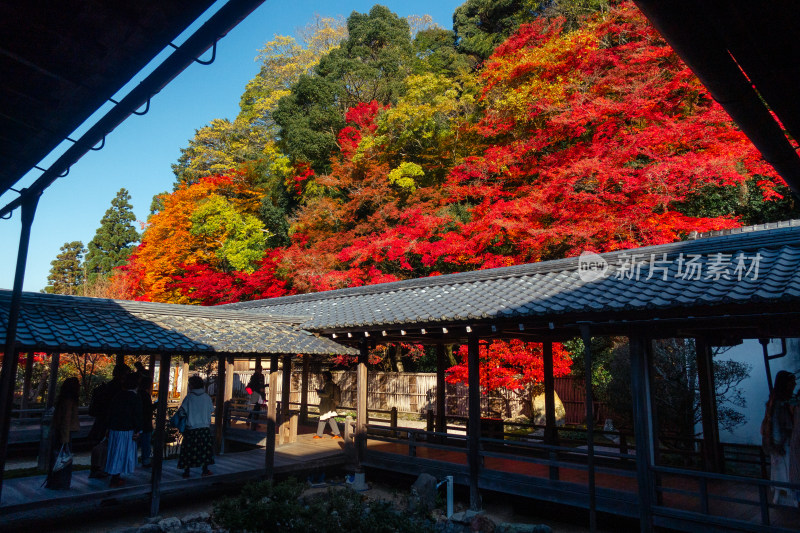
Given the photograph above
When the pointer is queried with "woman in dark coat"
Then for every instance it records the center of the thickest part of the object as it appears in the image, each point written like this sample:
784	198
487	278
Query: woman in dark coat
65	421
124	428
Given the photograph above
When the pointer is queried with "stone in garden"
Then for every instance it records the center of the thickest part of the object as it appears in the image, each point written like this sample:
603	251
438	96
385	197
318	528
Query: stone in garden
149	528
196	517
170	525
423	493
538	410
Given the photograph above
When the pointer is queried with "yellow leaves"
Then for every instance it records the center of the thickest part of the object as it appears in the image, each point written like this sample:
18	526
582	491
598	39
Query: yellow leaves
404	176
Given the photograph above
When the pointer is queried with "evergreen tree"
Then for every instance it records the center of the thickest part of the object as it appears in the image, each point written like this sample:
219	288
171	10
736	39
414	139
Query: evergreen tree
66	273
115	238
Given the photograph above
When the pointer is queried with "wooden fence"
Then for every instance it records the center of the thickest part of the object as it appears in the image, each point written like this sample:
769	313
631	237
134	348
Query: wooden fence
416	393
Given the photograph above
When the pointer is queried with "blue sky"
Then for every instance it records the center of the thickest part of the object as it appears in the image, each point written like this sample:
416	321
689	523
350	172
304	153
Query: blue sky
138	154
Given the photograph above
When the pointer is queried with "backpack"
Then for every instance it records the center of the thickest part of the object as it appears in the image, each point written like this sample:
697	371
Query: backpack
336	397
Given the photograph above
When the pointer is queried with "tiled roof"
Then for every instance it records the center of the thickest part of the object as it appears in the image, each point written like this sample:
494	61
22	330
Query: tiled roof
71	323
555	288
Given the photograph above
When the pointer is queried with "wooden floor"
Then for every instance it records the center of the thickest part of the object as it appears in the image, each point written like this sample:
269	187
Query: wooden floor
24	499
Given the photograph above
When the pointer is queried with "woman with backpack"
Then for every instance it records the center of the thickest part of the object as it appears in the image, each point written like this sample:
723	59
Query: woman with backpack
329	397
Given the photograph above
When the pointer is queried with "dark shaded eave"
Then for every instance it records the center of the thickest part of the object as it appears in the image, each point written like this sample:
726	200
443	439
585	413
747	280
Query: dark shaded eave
746	54
96	325
550	299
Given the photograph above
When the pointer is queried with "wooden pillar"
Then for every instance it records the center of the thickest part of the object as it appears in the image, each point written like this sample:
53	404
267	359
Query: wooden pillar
712	451
258	361
474	423
587	358
441	404
304	391
219	407
159	434
151	364
184	376
361	401
8	376
641	401
26	382
272	402
120	359
286	389
55	359
269	452
550	430
229	374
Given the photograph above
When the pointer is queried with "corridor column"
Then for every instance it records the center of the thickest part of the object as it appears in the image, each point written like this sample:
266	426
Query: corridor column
474	423
441	404
361	401
642	403
219	402
286	389
712	451
159	434
304	391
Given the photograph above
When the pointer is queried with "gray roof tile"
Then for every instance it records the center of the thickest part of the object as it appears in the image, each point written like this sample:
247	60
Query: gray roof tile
554	287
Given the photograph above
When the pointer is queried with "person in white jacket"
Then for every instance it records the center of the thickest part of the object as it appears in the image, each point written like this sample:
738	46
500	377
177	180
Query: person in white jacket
197	448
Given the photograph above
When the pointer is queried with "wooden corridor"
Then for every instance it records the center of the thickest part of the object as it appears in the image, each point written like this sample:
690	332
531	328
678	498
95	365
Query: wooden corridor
684	501
25	499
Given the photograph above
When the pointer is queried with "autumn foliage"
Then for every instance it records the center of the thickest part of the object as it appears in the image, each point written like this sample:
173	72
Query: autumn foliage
568	138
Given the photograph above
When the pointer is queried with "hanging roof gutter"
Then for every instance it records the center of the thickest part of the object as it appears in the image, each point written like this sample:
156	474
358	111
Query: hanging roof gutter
204	38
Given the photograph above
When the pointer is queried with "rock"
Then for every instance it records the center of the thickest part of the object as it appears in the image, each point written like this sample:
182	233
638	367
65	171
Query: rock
197	517
197	527
482	523
170	525
423	494
149	528
538	410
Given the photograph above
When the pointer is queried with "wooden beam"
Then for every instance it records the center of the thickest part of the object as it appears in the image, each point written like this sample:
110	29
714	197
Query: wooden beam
641	401
286	389
159	434
587	358
228	379
304	390
55	359
474	423
26	382
272	402
219	402
441	401
361	401
184	376
712	451
550	432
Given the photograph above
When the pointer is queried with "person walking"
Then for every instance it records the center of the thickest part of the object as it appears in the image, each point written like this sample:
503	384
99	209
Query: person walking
145	393
65	421
257	389
124	429
329	397
197	448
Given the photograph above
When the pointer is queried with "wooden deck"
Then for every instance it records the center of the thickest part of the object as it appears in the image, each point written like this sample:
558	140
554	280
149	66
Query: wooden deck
24	500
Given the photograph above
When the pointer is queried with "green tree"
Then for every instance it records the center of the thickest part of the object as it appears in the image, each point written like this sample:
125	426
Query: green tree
480	25
66	273
115	238
371	64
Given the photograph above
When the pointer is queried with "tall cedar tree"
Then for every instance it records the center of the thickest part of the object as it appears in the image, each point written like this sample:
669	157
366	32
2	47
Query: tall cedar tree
115	238
370	64
66	273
